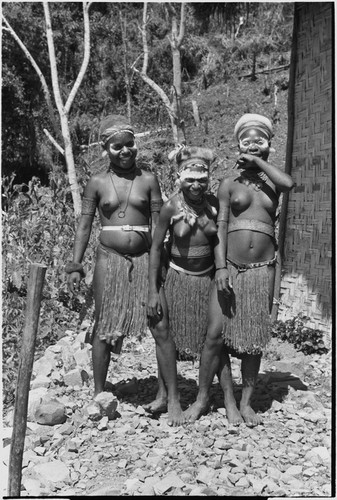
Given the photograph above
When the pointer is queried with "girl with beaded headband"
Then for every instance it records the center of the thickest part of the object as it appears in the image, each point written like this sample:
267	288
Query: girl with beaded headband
178	307
245	257
128	201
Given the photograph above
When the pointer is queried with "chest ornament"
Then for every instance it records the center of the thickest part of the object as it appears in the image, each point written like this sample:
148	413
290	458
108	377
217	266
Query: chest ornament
190	212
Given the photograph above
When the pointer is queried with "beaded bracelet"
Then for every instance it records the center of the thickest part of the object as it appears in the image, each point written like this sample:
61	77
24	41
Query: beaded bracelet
74	267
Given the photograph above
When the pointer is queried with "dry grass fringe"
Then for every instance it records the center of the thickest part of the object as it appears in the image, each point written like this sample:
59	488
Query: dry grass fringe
123	310
246	315
187	299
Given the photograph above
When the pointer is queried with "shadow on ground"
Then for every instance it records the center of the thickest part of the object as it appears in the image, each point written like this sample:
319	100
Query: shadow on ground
271	386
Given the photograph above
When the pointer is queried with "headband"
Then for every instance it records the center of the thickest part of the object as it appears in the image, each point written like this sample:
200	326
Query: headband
260	129
253	121
111	132
196	173
113	124
195	165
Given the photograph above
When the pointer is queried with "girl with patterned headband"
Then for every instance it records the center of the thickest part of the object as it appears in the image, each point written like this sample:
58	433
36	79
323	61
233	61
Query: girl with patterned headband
245	257
128	202
178	308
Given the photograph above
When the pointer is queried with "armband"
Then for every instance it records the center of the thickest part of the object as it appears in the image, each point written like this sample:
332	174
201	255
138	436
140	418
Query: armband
88	206
155	205
223	214
74	267
219	268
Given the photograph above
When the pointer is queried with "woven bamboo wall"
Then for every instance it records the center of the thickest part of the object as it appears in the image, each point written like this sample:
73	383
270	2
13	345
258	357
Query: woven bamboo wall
306	284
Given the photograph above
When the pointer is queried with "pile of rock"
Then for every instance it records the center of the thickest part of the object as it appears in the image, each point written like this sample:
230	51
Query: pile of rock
53	416
75	445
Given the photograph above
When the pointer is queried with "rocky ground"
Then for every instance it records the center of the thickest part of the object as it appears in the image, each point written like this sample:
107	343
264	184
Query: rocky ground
131	453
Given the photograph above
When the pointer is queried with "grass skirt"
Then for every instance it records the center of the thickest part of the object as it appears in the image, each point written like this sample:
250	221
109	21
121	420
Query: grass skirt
187	300
124	301
246	326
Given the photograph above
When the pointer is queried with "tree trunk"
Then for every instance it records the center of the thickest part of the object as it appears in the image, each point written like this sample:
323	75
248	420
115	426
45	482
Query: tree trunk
176	101
173	107
71	170
176	41
126	73
64	109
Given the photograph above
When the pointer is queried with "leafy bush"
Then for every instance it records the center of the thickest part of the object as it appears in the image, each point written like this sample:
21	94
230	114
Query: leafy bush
305	339
38	227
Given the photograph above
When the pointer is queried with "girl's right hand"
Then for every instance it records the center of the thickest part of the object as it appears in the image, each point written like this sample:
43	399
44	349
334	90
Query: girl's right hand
222	281
153	305
74	282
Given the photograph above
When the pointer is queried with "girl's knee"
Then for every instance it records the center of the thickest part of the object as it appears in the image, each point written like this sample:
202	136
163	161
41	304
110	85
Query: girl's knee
160	331
214	335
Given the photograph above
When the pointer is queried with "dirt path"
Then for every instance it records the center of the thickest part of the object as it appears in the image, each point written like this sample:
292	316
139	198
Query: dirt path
136	454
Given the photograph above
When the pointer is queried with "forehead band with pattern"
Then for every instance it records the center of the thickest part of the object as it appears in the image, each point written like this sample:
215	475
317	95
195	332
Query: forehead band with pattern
113	132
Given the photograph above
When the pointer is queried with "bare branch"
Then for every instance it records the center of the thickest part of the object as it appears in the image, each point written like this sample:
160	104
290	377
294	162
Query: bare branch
266	71
56	144
157	89
52	57
86	56
145	46
182	24
170	8
135	62
174	29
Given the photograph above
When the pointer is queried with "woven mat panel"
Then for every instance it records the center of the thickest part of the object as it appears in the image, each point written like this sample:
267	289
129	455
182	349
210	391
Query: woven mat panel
306	284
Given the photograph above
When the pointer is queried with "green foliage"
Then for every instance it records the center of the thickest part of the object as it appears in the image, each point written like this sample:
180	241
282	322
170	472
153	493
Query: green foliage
305	339
38	227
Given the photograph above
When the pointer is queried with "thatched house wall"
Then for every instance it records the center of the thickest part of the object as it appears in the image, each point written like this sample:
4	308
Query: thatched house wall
305	241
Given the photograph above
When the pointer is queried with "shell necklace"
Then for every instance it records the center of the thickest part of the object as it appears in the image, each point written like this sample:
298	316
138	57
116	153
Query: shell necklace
190	212
121	213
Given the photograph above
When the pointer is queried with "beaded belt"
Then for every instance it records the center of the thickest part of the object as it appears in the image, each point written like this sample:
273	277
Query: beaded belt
242	266
126	227
193	273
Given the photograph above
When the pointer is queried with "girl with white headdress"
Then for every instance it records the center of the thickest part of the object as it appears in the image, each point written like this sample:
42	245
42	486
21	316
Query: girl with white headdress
245	258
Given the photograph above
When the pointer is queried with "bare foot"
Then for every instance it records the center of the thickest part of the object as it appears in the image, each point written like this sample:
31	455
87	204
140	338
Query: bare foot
196	410
175	414
249	416
159	405
233	415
